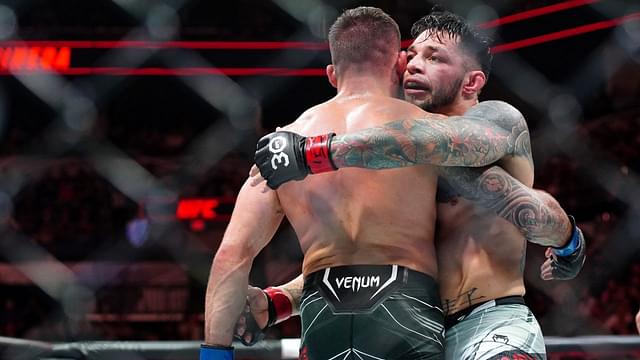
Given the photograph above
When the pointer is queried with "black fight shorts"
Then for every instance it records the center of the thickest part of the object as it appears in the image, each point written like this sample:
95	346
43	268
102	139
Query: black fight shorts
369	312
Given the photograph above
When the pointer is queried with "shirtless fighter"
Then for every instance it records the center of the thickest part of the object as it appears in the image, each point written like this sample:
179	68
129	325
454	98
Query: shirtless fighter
349	225
481	279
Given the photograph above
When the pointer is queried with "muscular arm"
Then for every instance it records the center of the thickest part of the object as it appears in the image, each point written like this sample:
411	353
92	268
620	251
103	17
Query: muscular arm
486	133
535	213
255	219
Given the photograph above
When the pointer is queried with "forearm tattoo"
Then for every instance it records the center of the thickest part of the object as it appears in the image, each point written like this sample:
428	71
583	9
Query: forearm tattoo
542	222
482	136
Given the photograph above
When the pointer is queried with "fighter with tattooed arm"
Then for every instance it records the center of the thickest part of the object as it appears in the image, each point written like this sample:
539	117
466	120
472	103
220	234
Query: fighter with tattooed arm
348	223
485	214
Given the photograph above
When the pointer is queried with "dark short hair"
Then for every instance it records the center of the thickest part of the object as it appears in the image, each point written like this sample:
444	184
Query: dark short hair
363	36
473	42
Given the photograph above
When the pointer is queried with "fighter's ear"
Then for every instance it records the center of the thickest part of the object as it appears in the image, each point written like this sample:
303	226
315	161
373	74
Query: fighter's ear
331	75
401	63
473	83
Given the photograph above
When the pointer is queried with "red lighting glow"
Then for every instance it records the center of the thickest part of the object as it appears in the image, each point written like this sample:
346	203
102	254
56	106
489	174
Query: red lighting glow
565	33
535	12
200	211
27	57
189	209
34	58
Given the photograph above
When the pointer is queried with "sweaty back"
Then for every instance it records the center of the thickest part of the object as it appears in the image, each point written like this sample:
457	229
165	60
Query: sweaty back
359	216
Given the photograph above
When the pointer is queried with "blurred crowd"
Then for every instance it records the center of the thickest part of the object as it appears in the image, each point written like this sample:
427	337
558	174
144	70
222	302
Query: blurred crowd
77	215
71	211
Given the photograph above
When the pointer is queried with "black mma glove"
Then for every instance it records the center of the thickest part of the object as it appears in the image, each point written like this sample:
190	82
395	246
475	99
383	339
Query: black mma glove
568	260
283	156
279	308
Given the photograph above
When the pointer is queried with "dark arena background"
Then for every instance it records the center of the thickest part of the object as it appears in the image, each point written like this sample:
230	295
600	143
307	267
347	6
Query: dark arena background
128	126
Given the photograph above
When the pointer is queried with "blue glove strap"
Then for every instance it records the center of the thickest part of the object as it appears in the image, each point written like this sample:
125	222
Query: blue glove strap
574	242
208	352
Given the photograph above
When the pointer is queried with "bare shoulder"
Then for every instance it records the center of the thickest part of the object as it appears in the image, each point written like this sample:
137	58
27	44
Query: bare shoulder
409	111
500	106
307	116
407	106
503	115
499	112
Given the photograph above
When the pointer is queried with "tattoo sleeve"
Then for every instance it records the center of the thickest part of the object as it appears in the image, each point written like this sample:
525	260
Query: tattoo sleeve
483	135
536	214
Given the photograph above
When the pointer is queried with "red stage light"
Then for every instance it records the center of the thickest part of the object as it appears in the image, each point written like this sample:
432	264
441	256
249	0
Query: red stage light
189	209
34	58
26	57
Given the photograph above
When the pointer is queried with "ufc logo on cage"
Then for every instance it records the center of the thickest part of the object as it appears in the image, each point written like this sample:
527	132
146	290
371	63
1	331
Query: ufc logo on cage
276	146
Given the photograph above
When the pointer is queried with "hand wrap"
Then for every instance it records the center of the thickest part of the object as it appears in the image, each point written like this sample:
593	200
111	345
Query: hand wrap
210	352
569	259
280	309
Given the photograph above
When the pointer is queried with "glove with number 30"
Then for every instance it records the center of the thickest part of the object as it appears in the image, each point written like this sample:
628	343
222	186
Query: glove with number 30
283	156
